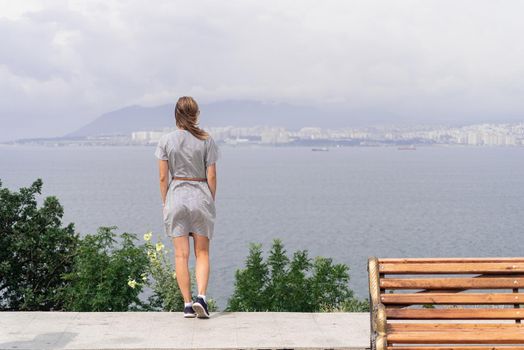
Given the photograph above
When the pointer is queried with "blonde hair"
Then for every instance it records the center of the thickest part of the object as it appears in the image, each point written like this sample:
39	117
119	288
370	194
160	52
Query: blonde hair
186	117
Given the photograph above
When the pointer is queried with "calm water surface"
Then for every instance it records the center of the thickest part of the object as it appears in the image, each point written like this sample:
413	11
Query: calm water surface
348	203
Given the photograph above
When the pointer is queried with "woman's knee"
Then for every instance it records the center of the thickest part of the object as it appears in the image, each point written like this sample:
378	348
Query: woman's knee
201	253
181	245
201	246
182	255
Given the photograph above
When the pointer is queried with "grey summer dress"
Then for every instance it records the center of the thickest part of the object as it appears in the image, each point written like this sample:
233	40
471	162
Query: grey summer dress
189	206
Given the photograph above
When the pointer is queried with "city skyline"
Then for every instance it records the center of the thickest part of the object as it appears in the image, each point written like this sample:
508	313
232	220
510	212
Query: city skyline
486	134
507	134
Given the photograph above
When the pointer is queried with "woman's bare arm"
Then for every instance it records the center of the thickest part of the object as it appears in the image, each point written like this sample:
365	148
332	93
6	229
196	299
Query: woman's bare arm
212	179
164	179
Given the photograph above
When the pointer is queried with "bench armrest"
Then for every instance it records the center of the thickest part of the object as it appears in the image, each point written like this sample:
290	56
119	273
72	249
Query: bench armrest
378	327
377	309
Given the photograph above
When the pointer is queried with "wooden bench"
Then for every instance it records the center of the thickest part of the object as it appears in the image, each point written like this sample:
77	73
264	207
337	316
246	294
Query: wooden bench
446	303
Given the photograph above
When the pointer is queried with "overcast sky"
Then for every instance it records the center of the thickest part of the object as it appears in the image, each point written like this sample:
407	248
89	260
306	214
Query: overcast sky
63	63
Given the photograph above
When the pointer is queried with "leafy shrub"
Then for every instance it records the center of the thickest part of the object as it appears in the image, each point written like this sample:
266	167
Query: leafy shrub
166	294
106	276
44	266
35	250
297	285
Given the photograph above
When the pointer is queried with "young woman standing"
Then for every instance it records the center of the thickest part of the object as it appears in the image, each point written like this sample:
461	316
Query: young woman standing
186	159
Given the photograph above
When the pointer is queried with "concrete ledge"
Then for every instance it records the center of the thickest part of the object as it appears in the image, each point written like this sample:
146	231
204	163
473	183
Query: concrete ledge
164	330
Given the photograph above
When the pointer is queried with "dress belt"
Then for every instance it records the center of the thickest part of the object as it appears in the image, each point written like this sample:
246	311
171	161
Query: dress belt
189	178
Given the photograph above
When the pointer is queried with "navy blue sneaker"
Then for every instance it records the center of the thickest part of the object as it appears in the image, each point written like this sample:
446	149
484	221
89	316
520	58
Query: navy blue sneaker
200	307
189	312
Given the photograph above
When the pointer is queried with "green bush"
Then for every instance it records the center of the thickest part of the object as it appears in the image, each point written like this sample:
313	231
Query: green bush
296	285
107	275
35	250
166	294
44	266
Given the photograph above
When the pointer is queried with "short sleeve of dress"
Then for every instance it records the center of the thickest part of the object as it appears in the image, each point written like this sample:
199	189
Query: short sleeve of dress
161	151
212	152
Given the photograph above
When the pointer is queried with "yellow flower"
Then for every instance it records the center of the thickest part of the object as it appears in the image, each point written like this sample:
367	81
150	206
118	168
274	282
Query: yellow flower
132	283
151	255
159	246
144	276
147	236
174	274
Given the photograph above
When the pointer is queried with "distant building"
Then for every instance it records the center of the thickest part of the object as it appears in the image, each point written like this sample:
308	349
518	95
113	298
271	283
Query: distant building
274	136
146	136
473	138
310	133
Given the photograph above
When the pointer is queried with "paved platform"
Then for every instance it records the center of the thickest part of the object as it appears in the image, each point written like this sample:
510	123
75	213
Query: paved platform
163	330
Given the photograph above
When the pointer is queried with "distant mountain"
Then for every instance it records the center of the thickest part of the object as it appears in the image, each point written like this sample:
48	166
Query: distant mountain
223	113
126	120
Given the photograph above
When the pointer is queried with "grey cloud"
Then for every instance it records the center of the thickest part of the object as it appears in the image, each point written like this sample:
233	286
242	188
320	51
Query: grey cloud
27	50
424	61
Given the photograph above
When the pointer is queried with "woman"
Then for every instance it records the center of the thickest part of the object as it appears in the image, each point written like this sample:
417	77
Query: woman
188	200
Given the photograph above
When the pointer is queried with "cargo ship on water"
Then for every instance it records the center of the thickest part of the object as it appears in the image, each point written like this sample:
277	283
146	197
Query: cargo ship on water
407	148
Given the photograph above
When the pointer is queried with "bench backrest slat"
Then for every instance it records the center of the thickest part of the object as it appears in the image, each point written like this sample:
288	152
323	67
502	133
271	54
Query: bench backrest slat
452	298
455	314
444	260
452	283
453	268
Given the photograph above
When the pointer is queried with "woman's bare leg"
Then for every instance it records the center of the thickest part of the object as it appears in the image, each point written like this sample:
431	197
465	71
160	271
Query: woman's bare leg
181	266
202	262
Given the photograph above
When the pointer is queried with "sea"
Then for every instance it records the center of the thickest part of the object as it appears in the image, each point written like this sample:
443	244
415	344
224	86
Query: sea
348	203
